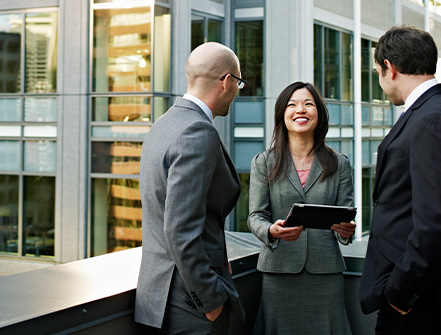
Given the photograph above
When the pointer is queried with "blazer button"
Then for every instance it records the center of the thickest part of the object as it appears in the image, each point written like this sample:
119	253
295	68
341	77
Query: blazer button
375	203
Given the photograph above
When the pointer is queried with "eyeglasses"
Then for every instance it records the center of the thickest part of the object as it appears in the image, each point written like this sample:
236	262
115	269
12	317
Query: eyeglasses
241	82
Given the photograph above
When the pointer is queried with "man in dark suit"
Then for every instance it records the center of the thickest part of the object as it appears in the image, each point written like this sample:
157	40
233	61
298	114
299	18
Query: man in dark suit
401	276
188	186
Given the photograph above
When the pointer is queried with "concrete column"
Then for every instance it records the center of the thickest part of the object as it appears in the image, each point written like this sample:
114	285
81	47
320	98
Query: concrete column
357	117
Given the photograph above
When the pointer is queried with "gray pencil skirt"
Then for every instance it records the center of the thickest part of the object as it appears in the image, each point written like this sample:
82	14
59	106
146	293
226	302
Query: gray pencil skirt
303	304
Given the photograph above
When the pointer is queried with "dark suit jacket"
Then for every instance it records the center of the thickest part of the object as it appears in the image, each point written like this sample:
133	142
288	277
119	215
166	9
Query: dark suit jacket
188	186
403	259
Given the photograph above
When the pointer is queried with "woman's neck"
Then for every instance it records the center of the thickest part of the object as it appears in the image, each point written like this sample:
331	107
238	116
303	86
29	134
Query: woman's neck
301	151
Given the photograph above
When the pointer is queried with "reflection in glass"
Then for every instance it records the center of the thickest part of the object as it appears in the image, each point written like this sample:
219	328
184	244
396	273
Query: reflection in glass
41	52
40	110
40	156
162	50
214	30
10	109
365	69
160	106
347	115
197	31
377	92
39	215
318	57
366	189
8	213
116	215
119	131
332	63
121	109
10	53
346	67
242	206
9	156
122	47
116	157
249	50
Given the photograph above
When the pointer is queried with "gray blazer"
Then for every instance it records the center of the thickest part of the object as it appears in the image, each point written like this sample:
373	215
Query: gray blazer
188	186
316	250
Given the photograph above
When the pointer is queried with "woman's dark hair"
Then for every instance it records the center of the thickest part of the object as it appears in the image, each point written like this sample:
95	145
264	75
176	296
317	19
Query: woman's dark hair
412	50
279	143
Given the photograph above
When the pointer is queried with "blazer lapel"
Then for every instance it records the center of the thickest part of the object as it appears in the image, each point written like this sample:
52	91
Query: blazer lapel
293	177
314	174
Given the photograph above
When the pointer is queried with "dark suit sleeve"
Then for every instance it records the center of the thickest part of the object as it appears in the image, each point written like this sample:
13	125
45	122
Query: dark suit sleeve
420	265
193	159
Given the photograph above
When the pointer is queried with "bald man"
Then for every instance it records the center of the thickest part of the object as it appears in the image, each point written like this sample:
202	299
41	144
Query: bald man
188	186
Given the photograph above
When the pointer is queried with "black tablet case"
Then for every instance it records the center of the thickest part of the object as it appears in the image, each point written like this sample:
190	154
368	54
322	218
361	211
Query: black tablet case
318	216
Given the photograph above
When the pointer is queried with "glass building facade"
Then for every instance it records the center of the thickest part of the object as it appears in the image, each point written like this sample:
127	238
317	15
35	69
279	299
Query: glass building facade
81	83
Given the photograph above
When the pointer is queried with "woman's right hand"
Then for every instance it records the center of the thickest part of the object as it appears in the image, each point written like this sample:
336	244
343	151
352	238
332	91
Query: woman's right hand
278	230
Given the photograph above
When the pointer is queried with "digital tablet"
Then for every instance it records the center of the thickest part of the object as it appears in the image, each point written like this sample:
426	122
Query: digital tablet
318	216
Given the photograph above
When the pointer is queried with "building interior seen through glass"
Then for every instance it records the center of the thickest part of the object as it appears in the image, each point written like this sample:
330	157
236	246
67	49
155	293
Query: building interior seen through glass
130	89
28	132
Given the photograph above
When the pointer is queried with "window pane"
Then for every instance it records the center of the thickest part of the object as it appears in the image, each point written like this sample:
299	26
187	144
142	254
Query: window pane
388	116
39	215
318	57
162	50
244	151
40	110
9	213
197	31
365	69
377	92
10	109
347	115
9	156
214	31
346	80
122	49
374	151
249	49
366	198
365	157
242	206
377	115
119	131
334	113
40	156
365	115
41	52
40	131
332	64
160	106
120	109
249	112
116	215
10	53
347	148
116	157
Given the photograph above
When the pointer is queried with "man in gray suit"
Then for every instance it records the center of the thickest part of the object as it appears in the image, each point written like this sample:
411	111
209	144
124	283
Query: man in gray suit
188	186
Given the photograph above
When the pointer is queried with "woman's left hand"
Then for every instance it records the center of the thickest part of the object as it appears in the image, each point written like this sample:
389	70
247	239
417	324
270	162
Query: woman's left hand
345	229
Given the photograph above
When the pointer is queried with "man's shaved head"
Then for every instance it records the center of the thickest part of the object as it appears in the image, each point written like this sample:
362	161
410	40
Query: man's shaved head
208	62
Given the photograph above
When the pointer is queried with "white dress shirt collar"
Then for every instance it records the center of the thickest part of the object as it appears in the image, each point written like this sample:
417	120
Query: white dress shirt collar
419	91
201	104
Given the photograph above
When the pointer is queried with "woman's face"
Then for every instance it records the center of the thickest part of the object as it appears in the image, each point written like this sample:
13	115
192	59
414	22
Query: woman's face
301	115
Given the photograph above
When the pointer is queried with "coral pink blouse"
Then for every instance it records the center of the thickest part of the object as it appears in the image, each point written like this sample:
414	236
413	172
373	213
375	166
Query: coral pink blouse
303	175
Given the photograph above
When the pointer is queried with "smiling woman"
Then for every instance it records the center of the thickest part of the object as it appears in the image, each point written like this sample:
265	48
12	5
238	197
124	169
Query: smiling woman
299	167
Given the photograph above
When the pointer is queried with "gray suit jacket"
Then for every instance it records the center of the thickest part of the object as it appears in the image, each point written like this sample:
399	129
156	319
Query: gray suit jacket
188	186
316	250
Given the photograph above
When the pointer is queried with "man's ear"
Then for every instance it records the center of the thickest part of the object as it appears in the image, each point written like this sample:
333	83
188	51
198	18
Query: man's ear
392	69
